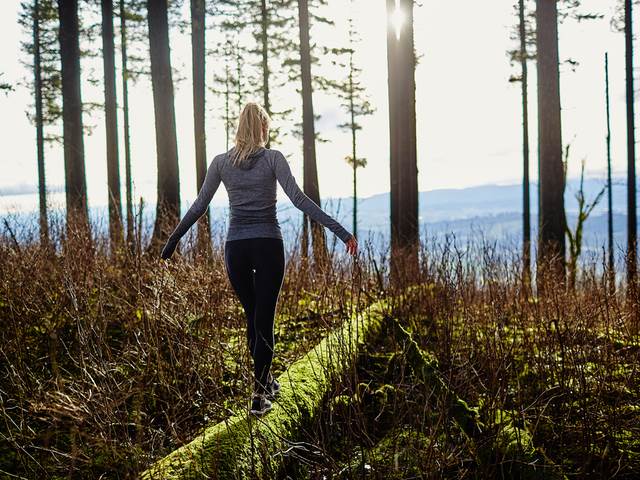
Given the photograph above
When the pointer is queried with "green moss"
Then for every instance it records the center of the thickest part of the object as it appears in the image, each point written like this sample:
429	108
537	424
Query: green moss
247	447
394	456
426	368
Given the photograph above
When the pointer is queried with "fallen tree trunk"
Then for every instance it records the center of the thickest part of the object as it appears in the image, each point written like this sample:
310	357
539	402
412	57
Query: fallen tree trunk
244	446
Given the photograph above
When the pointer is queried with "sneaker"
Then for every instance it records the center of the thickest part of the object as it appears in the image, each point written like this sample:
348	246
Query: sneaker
273	389
260	404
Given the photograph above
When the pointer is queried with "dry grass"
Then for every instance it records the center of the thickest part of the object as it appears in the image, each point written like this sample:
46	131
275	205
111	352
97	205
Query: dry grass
110	360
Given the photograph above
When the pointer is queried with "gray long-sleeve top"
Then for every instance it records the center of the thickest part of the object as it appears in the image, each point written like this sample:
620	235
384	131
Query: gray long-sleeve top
252	197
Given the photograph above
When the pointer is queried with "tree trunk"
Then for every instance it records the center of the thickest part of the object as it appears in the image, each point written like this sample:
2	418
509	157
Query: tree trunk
610	262
111	121
631	152
227	100
552	225
198	65
37	83
310	173
75	181
168	203
401	61
526	205
127	143
264	40
239	76
353	147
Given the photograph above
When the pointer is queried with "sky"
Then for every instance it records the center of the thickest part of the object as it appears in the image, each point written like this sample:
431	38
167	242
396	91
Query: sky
468	114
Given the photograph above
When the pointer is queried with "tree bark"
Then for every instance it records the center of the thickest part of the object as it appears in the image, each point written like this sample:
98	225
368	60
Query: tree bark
610	261
310	173
199	69
632	227
552	224
37	83
75	180
264	40
127	142
353	148
168	202
111	121
526	202
405	236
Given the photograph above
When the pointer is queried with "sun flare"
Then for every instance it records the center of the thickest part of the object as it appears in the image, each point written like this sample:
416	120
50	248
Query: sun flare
398	19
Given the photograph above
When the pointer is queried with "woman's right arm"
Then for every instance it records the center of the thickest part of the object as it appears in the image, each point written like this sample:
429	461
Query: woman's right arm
197	209
303	202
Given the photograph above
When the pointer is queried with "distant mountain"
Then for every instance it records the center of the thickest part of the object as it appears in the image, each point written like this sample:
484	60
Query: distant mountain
490	211
27	189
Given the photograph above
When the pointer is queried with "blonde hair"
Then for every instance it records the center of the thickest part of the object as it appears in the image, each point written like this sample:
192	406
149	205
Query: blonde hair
253	119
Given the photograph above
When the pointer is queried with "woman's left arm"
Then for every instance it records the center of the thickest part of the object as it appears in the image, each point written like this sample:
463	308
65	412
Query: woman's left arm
197	209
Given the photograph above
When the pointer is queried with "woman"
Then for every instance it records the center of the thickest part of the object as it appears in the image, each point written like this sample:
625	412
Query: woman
254	251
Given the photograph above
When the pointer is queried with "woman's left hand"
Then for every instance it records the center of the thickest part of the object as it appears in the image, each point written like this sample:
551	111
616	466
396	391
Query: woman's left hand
352	245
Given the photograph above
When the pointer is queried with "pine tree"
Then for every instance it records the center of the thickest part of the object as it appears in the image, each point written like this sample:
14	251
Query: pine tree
525	35
230	20
610	261
168	199
75	179
401	63
552	215
198	55
111	123
632	225
356	104
37	18
127	128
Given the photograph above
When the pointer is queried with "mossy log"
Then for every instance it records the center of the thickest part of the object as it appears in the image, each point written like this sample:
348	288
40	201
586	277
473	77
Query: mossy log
426	368
512	443
244	446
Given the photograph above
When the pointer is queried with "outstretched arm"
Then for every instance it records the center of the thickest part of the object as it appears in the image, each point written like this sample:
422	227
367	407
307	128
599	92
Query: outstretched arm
197	209
303	202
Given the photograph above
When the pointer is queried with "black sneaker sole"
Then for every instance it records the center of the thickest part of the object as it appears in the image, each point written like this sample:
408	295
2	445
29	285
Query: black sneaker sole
259	413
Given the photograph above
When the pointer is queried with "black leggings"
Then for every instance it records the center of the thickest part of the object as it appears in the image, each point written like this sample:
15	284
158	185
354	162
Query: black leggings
255	267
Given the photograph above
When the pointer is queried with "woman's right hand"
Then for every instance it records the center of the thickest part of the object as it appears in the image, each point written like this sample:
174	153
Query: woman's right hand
168	249
352	245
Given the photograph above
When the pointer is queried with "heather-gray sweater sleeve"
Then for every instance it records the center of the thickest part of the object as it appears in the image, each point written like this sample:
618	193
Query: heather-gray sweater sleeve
302	201
199	207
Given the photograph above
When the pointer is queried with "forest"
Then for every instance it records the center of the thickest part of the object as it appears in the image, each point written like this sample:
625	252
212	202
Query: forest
422	356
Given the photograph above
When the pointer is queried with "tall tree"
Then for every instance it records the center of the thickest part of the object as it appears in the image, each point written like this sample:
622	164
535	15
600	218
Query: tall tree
271	25
551	248
222	85
198	67
168	199
610	262
111	122
125	108
37	83
264	51
354	101
632	226
39	18
525	34
75	180
526	207
310	169
401	63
